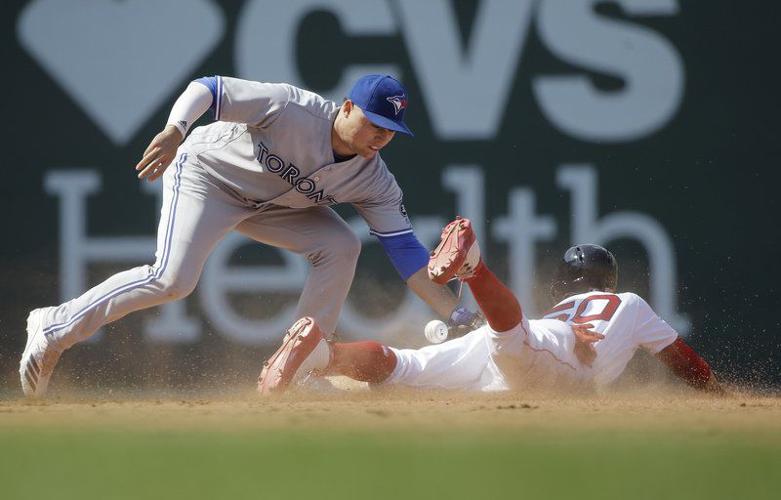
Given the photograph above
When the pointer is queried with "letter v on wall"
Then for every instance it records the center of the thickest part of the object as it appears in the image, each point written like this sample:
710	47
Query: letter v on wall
465	91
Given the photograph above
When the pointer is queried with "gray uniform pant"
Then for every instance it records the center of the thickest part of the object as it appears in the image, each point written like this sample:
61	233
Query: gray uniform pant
196	214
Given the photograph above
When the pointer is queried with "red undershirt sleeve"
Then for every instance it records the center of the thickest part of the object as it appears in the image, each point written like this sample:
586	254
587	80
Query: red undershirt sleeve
685	363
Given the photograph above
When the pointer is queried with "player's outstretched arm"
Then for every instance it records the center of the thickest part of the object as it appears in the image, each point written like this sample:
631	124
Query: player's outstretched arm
690	367
459	319
410	257
439	297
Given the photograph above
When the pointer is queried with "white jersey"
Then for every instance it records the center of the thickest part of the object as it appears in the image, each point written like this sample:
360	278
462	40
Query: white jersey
540	354
626	321
544	348
271	146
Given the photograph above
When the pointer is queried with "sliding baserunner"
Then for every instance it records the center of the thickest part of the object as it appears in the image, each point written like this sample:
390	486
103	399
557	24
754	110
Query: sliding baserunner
584	341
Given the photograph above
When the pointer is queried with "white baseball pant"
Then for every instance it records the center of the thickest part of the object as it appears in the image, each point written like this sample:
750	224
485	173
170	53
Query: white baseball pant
462	363
529	356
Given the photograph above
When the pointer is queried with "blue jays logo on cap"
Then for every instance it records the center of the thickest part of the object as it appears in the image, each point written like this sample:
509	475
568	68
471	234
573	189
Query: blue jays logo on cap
383	100
399	102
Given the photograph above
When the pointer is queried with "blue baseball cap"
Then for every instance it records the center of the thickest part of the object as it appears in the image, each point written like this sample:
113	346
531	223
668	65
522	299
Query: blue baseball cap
383	100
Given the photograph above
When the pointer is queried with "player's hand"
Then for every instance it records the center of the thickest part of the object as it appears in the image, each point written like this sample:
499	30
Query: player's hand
463	321
159	154
584	343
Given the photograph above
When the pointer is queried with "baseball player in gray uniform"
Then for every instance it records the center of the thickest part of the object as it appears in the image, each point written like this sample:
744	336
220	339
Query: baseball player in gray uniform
270	166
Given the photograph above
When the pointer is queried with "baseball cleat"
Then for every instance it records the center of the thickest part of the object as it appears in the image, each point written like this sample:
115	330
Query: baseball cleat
39	358
457	254
304	350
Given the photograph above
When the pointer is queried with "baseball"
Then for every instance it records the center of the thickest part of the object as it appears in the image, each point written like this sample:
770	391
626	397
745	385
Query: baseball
436	331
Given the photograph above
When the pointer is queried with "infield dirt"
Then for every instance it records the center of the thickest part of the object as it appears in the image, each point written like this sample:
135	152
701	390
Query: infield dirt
354	407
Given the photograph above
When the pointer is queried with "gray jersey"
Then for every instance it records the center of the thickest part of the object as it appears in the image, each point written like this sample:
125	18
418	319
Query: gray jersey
272	145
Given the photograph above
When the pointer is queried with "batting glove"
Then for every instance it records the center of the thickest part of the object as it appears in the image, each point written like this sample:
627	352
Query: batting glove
463	321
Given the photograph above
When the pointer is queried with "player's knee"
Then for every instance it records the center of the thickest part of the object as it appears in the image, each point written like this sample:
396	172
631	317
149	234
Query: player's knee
175	287
345	248
352	248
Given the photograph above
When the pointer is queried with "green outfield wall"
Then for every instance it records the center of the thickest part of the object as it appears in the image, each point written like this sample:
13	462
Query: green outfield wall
648	126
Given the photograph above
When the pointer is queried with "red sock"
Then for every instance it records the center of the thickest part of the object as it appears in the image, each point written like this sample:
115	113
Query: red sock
498	302
365	361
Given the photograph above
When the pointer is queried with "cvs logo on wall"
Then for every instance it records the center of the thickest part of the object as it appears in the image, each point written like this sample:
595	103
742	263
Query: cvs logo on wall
120	74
